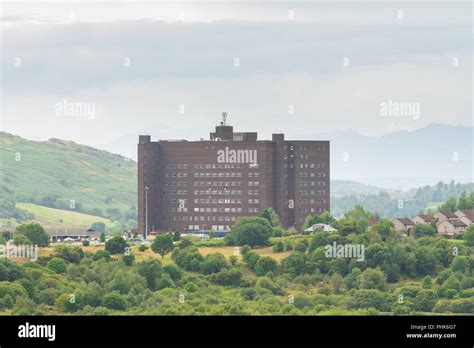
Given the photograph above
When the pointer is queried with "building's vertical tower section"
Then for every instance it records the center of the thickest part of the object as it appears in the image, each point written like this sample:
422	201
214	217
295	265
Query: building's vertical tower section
143	141
311	178
282	198
148	180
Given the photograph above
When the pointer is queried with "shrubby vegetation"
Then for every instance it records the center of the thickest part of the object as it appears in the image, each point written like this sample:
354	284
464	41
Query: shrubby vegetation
274	274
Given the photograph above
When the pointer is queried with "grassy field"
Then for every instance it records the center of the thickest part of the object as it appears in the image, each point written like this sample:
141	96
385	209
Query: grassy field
49	217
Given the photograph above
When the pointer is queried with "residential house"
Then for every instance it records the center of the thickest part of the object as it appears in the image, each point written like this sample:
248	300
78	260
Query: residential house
451	227
465	215
403	226
445	215
424	219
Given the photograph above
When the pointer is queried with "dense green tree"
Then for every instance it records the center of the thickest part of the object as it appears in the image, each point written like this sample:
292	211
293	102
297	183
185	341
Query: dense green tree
350	280
101	254
370	298
244	249
469	236
185	243
460	264
450	205
251	258
254	231
372	279
176	236
301	246
214	263
346	226
69	253
164	281
319	239
35	233
102	237
465	202
271	216
191	287
21	239
249	293
294	264
425	300
162	244
385	229
116	245
128	260
336	282
451	284
68	302
425	262
264	265
427	282
230	276
358	213
115	301
422	230
173	271
151	270
189	259
57	265
278	247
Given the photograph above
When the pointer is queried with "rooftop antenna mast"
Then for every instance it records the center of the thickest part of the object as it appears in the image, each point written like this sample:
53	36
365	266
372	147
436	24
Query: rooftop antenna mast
224	118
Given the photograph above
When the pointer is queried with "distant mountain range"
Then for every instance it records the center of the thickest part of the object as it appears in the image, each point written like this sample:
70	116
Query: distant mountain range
399	160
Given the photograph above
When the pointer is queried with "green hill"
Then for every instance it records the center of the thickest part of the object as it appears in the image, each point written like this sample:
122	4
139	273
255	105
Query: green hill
50	217
65	175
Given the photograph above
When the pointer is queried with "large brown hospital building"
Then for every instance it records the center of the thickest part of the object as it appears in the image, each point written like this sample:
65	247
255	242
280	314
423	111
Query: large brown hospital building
208	184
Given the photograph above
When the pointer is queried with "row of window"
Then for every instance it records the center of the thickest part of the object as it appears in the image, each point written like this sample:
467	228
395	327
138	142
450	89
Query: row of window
175	193
311	183
183	202
214	227
306	148
174	183
204	210
209	166
311	175
218	183
217	175
198	218
310	210
217	201
205	218
311	192
235	183
175	175
218	192
311	201
209	192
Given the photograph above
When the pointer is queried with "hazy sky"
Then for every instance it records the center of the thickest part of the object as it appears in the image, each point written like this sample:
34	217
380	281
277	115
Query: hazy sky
178	66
